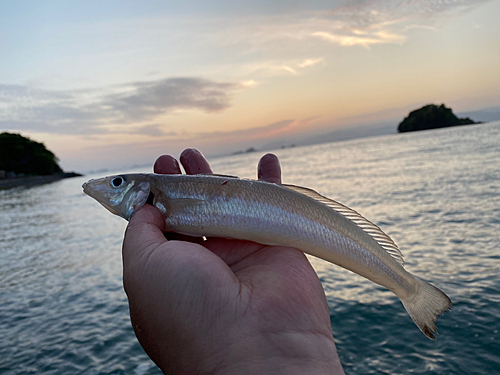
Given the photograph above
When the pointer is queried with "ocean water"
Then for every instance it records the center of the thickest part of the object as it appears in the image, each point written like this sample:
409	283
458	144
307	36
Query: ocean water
436	193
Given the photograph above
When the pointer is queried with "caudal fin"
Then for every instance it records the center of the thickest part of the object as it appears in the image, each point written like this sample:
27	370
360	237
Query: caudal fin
426	305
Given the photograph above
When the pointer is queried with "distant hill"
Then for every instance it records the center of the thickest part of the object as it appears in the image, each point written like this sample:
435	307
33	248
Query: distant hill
484	114
431	116
22	155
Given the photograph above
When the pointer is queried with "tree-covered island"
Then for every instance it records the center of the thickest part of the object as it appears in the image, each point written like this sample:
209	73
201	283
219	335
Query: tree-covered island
27	162
432	116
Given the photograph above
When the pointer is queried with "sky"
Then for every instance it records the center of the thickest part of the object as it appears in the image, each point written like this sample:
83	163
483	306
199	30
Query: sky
109	84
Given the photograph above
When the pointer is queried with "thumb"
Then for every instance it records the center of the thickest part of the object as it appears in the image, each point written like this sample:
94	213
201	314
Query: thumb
144	231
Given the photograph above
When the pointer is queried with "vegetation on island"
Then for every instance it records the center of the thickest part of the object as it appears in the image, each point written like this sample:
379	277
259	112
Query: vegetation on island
22	155
432	116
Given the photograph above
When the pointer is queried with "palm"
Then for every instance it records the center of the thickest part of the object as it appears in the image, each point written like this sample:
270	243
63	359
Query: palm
273	278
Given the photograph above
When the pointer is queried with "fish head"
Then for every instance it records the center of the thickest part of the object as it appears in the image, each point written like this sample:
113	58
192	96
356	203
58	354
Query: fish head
121	194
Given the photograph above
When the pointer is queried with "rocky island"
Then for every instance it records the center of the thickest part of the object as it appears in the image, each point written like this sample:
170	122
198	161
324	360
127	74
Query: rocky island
24	162
432	116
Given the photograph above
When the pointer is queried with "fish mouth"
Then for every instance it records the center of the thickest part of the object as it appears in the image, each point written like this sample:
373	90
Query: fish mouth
86	188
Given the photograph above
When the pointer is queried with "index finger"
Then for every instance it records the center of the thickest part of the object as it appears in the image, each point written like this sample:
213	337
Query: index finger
194	162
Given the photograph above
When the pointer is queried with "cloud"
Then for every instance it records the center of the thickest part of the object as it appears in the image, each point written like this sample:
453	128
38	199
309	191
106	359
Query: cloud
216	142
14	93
365	13
145	100
100	110
230	136
353	40
310	62
279	68
153	130
288	69
367	22
249	133
269	69
351	23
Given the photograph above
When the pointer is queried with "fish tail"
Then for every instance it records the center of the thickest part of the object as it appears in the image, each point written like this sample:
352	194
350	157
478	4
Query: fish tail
426	305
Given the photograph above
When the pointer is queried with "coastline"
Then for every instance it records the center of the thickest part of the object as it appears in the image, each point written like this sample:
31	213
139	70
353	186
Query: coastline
9	183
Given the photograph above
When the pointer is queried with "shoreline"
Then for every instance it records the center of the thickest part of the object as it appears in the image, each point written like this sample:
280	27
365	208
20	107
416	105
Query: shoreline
9	183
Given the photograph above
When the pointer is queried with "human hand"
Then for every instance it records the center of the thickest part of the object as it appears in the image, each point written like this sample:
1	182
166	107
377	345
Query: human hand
224	306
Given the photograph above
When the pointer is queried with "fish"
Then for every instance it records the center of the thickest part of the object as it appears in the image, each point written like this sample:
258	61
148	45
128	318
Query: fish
275	214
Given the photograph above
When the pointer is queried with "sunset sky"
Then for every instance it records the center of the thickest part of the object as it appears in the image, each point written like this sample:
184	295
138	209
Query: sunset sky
106	84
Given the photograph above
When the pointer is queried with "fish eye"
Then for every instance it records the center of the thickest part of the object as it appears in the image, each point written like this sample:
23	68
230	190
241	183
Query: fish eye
117	182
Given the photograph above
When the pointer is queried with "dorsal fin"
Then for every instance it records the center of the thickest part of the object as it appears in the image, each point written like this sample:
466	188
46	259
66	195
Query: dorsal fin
374	231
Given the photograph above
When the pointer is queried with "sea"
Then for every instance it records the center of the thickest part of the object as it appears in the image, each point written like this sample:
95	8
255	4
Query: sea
63	309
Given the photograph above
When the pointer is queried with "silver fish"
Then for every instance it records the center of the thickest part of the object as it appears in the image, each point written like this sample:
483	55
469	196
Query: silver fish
273	214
